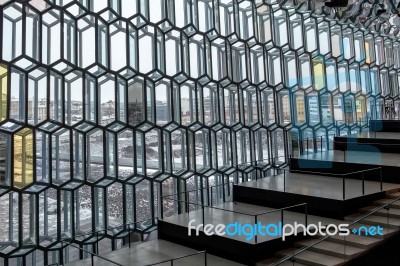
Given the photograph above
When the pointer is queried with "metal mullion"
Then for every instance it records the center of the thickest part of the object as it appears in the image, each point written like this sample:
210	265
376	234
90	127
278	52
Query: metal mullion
194	13
62	45
107	36
269	140
185	164
62	98
23	110
166	137
124	209
206	144
13	41
45	215
96	37
75	44
11	216
135	164
115	155
72	211
20	220
151	196
34	222
94	210
65	211
192	166
105	149
134	203
1	31
68	32
252	144
35	37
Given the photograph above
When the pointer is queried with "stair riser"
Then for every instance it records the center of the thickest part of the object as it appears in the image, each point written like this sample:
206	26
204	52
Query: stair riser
382	214
366	222
391	226
336	254
312	263
392	196
394	206
385	233
352	244
390	192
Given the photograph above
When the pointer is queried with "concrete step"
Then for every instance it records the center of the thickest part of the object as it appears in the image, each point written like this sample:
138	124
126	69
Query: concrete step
275	260
327	247
389	226
394	205
313	258
363	242
393	212
393	195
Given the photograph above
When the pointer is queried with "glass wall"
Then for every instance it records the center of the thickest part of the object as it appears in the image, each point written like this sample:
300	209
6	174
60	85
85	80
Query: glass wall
107	105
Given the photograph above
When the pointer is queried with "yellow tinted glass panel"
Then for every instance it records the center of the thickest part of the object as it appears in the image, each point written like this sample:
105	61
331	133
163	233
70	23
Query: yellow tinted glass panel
367	53
360	108
319	75
23	158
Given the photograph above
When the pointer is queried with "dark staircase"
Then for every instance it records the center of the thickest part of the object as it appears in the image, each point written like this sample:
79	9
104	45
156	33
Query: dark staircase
336	250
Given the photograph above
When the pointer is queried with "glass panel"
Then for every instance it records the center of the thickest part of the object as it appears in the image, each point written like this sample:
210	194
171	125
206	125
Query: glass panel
23	158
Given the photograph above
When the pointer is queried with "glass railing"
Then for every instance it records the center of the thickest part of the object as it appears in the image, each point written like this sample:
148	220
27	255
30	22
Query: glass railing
344	177
361	122
311	145
207	212
370	228
122	233
209	196
362	175
94	258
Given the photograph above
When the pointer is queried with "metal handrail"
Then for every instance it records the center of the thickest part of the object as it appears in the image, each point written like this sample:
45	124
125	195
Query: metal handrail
324	173
363	143
257	214
193	190
284	208
207	206
264	160
182	257
291	257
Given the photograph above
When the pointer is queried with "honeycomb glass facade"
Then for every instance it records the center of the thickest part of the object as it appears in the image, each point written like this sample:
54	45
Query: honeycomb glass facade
107	105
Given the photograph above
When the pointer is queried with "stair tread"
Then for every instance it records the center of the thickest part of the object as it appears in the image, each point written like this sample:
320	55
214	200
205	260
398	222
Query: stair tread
332	247
374	218
276	259
383	201
314	257
359	240
371	208
394	195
